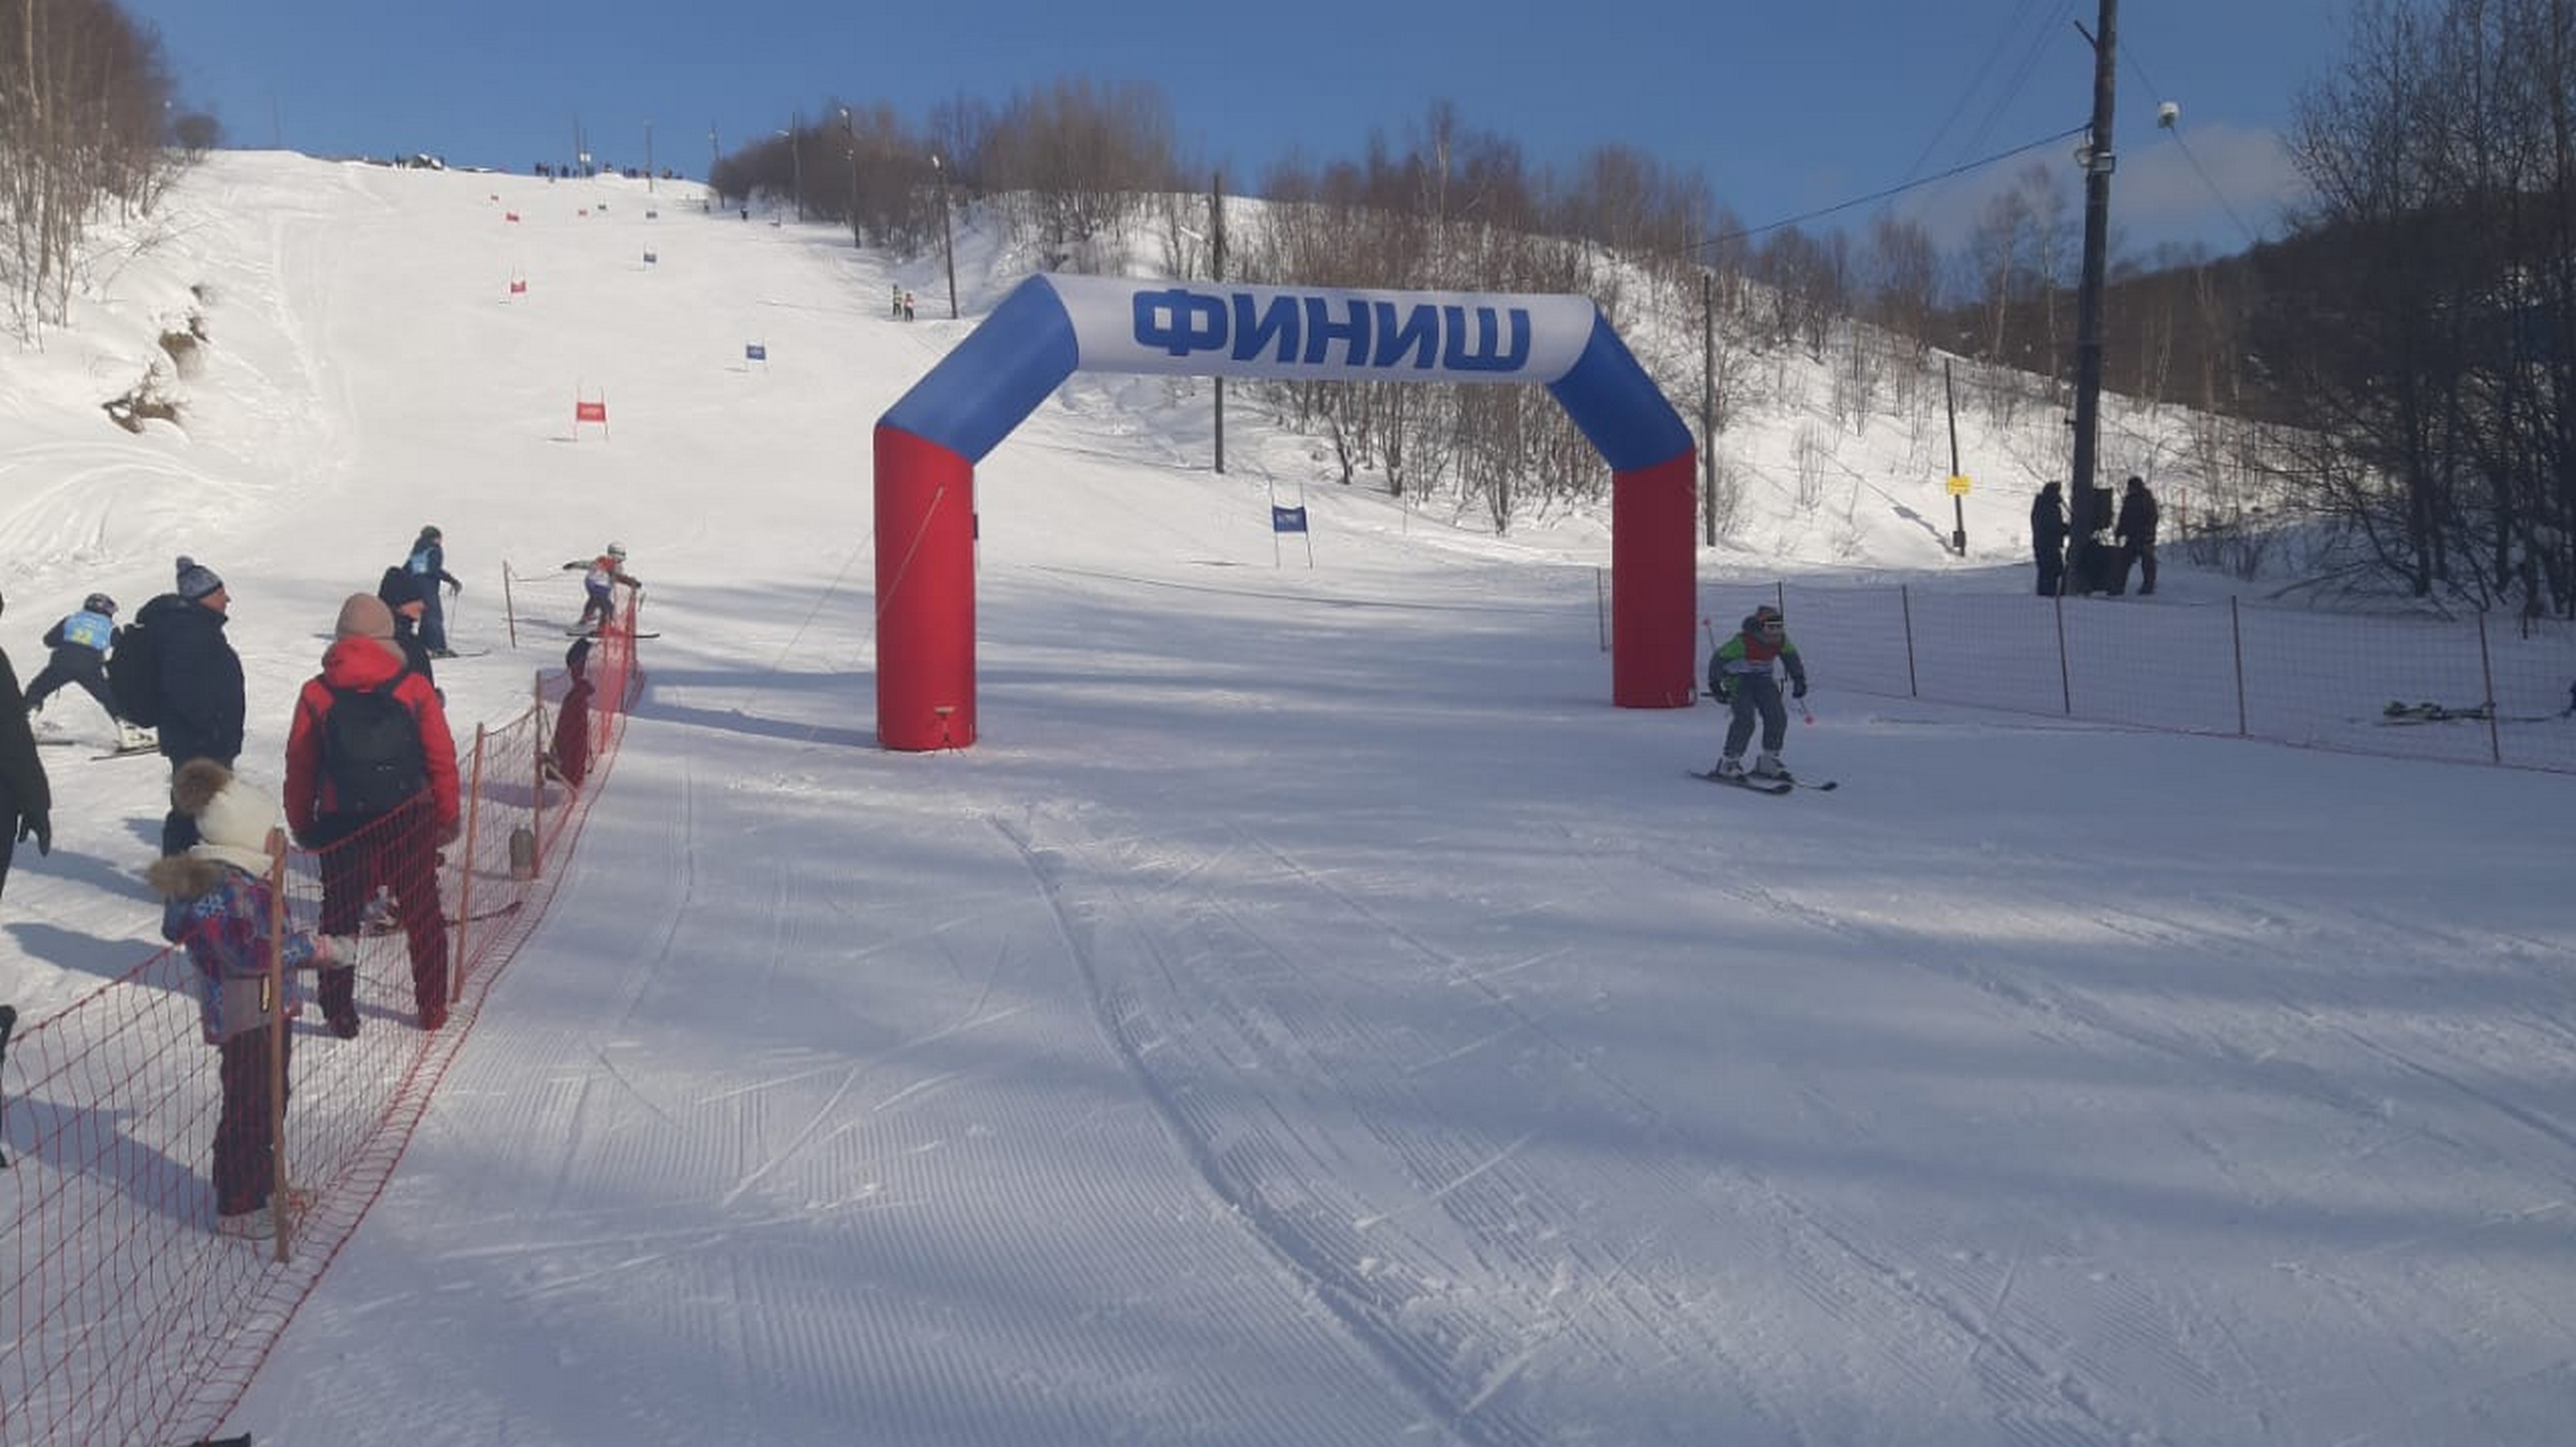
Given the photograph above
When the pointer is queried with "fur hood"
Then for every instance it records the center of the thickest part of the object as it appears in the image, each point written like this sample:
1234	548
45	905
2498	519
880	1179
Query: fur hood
183	876
233	818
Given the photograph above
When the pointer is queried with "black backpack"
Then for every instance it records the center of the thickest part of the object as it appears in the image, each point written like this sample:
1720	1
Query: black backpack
134	674
371	751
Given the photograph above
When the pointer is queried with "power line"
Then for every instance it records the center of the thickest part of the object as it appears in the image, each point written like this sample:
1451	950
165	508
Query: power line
2175	130
1969	92
2042	30
1896	190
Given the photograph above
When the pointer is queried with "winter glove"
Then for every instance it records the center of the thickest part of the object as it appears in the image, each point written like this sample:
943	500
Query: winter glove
1723	690
1797	688
39	828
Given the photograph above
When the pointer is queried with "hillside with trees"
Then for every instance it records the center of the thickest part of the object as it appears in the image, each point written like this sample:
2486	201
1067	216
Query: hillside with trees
2392	377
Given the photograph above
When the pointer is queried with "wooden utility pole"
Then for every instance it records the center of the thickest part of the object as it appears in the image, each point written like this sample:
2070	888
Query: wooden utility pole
1708	405
2090	509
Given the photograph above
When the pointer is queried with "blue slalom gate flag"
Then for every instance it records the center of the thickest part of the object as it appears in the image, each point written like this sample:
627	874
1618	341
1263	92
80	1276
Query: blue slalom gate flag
754	352
1287	519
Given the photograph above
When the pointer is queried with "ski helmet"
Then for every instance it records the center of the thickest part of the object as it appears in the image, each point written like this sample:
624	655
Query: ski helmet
1766	619
617	551
101	604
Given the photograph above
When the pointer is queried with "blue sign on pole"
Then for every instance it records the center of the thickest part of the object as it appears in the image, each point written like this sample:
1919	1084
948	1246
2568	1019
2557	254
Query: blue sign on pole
1287	519
755	352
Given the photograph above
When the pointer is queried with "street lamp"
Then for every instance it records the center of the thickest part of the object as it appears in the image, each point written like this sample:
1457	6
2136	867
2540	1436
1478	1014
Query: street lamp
947	244
796	157
850	129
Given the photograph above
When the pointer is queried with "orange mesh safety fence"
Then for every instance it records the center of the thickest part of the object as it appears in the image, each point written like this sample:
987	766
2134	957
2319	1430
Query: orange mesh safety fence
124	1316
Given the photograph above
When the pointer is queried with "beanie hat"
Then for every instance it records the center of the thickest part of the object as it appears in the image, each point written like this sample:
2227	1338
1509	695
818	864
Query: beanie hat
196	580
364	615
400	589
233	819
577	657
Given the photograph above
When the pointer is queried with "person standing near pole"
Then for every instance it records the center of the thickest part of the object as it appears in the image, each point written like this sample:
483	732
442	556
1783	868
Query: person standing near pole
218	905
2048	539
371	787
428	568
2135	532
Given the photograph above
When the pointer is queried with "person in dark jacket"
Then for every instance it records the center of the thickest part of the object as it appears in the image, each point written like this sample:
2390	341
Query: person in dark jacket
1740	676
199	684
363	847
400	592
2135	532
26	799
569	759
428	567
2048	539
80	643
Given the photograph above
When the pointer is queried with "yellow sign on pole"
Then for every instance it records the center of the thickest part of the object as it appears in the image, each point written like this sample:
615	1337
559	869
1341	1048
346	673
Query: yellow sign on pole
1958	485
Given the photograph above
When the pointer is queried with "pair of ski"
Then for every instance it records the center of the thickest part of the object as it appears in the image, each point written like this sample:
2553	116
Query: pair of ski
1757	784
136	752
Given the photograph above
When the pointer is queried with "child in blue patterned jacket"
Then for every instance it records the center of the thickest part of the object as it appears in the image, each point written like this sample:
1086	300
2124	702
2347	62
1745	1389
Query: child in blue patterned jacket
218	903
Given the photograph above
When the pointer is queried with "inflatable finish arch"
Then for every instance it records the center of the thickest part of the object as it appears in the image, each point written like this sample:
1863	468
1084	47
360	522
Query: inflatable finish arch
928	443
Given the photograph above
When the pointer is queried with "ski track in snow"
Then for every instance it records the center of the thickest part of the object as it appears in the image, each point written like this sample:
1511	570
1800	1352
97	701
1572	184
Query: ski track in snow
2049	1380
1450	1256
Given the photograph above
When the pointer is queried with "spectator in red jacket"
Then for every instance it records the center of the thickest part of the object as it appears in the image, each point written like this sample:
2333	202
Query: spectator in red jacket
371	787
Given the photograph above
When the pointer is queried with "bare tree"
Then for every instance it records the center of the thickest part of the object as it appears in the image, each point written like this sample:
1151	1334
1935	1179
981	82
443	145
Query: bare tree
2419	315
85	96
1079	159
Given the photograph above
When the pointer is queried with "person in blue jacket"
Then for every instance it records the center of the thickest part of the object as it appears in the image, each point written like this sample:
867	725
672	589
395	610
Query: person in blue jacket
80	643
428	567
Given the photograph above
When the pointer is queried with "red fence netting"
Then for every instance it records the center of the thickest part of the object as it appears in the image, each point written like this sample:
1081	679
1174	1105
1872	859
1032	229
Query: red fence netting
123	1316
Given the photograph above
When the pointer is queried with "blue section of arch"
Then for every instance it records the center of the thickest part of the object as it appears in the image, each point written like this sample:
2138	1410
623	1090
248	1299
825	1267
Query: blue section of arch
1616	405
1027	348
995	378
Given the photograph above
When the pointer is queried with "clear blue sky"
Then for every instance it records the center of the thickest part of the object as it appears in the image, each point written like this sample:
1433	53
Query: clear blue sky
1786	108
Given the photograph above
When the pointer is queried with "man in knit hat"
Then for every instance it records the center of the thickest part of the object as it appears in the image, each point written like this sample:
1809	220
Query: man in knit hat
199	683
371	787
398	591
